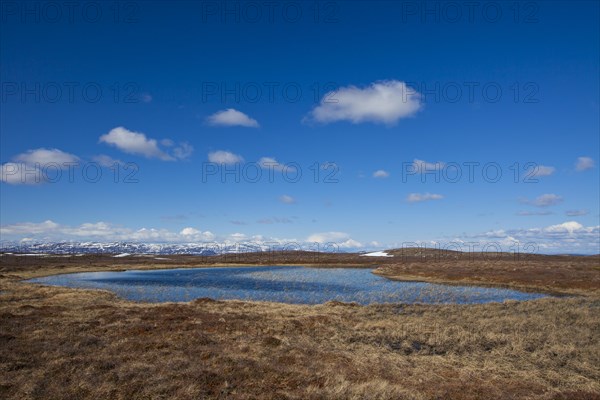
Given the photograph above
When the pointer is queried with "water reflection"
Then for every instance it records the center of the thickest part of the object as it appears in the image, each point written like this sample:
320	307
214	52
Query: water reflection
280	284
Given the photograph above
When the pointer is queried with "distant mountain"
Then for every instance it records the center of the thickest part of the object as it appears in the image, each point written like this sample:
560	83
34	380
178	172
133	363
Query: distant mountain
204	249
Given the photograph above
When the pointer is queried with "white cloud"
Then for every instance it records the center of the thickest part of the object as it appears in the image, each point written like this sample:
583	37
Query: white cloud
224	157
420	197
29	228
36	166
422	167
189	231
138	144
584	163
340	239
183	151
45	157
269	163
567	237
539	171
380	174
576	213
287	199
20	174
49	230
381	102
545	200
231	117
568	227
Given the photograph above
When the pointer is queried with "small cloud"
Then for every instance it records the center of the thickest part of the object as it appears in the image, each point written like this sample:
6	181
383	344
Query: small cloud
236	222
545	200
183	151
383	102
146	97
134	143
533	213
269	163
420	197
106	161
231	117
381	174
46	156
576	213
584	163
224	157
189	231
287	199
539	171
274	220
422	167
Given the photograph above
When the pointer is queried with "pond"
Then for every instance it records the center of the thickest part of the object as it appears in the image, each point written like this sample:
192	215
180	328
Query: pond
297	285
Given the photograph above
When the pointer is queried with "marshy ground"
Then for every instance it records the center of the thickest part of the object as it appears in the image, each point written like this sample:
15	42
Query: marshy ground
70	343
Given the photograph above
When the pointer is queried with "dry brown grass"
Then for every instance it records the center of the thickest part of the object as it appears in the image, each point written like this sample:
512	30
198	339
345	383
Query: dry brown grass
68	343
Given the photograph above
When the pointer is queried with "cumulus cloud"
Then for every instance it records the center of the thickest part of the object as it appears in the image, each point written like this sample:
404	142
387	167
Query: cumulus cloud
584	163
36	166
231	117
383	102
45	157
340	239
539	171
134	143
545	200
420	197
224	157
138	143
287	199
381	174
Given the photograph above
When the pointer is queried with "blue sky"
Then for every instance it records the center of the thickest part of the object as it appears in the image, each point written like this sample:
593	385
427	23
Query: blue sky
355	107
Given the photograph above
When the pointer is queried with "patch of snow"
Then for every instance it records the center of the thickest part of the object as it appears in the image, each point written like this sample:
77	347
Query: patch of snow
122	255
377	254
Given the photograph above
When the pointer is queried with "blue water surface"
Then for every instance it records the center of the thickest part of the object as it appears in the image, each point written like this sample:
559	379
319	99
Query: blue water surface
296	285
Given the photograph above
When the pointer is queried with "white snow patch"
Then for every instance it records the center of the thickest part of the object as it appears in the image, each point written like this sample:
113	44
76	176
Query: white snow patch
378	254
122	255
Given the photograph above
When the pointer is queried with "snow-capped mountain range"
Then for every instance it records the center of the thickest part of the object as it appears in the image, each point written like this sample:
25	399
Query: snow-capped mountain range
204	249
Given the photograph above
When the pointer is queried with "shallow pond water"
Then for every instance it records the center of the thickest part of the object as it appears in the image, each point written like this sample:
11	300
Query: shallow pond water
280	284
